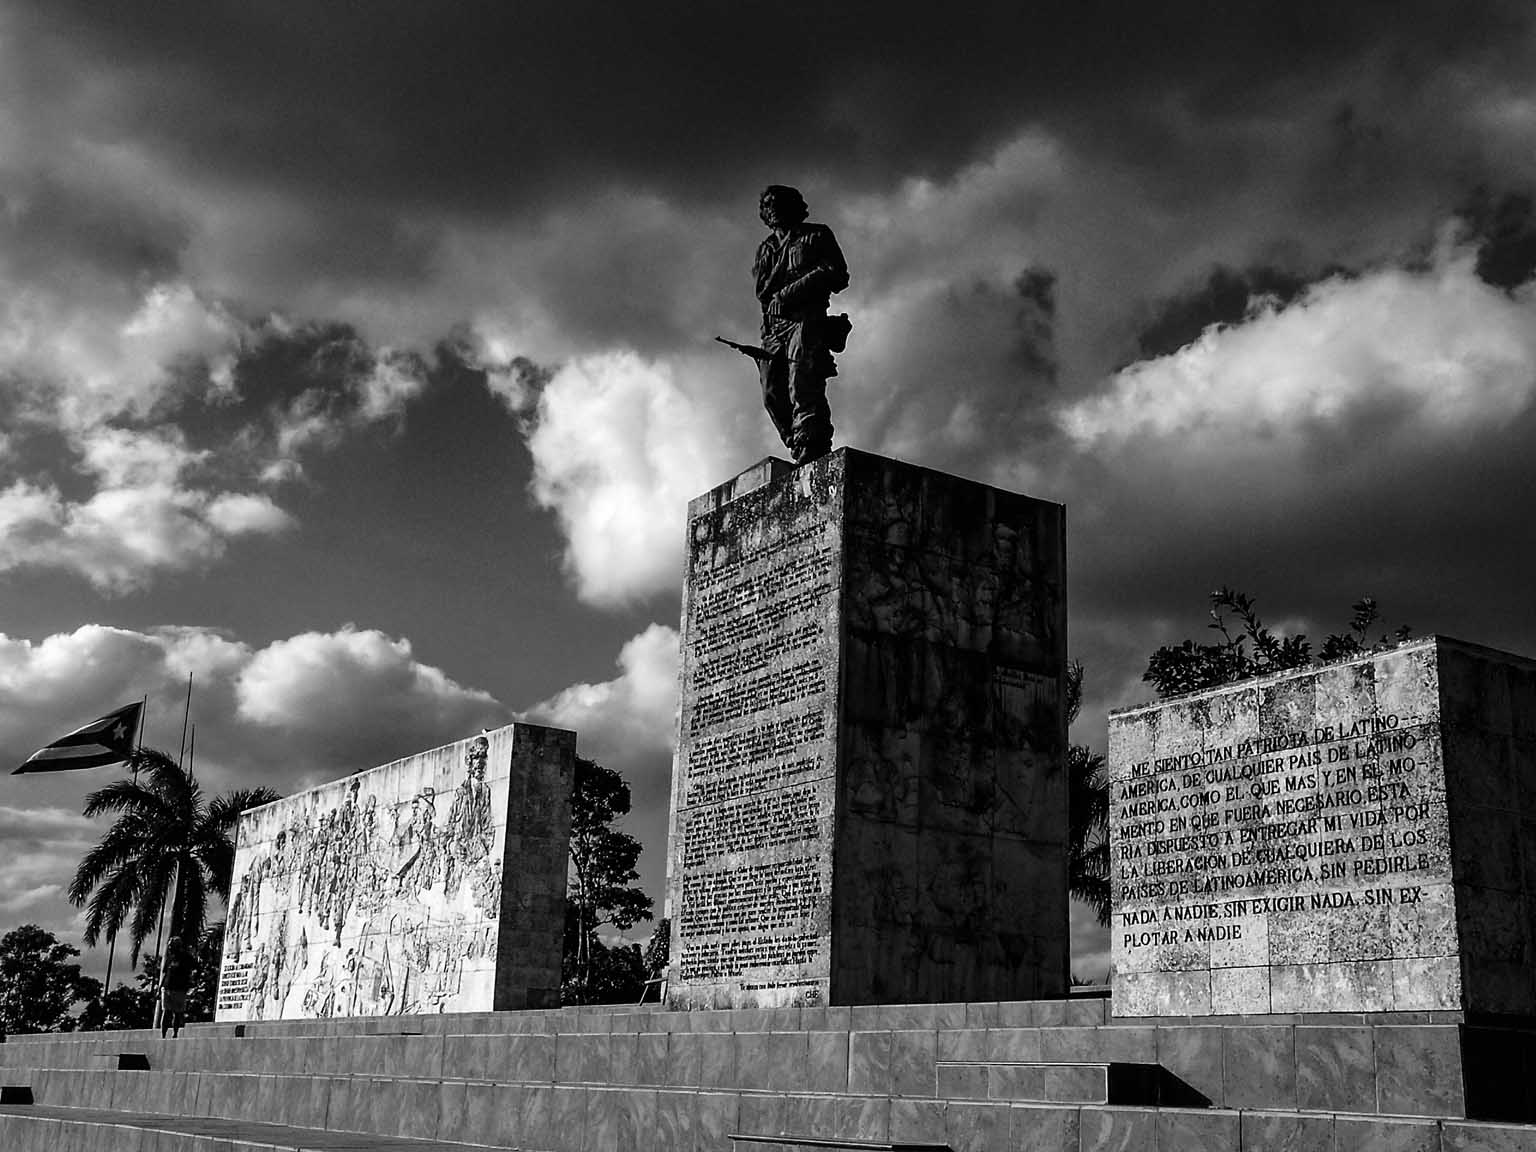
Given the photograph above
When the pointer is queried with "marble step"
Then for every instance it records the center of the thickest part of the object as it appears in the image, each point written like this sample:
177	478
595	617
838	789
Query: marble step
964	1126
781	1142
51	1128
1076	1011
1441	1070
1057	1082
1422	1069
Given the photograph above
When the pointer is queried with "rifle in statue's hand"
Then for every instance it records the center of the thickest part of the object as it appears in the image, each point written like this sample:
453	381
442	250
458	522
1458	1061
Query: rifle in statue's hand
751	350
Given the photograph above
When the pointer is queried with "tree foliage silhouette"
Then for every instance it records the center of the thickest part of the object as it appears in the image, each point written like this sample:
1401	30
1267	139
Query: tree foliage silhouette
38	983
1248	648
165	823
601	890
1087	812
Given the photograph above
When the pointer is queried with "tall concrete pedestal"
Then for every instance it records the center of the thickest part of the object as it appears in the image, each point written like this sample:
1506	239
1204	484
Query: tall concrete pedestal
869	800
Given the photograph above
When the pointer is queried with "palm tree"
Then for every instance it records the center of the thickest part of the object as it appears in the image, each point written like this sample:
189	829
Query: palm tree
165	825
1088	812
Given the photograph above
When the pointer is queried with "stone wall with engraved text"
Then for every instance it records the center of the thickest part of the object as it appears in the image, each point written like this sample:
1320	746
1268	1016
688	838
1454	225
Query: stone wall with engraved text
1291	844
751	838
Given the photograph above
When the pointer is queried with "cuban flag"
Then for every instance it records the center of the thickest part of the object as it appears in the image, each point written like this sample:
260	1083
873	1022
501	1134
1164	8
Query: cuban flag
106	741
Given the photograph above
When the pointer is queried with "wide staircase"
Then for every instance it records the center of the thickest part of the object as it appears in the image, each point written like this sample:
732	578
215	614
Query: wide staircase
1037	1076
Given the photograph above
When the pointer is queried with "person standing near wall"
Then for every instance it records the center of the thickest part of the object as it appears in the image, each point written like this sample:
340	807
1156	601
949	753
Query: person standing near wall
173	987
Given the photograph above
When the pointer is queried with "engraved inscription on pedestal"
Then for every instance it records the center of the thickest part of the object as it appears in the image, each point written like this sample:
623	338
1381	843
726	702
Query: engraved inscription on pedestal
1319	841
432	884
869	755
753	810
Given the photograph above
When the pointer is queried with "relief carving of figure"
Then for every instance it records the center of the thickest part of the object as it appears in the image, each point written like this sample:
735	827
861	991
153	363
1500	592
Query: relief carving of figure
320	1000
469	817
280	871
261	977
351	982
487	888
417	842
282	974
242	913
368	825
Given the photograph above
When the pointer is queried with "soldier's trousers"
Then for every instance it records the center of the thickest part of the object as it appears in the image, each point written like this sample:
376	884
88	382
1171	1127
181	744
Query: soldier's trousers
795	394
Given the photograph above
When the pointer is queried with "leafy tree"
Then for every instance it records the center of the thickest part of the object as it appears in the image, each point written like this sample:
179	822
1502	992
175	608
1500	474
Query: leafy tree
612	974
38	984
1087	812
1363	614
124	1006
653	960
164	823
1248	648
659	951
602	883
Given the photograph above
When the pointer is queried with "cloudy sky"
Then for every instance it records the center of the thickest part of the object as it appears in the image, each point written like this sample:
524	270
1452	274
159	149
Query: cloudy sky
356	358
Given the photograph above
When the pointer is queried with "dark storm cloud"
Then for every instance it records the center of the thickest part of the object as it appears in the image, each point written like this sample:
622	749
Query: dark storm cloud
481	105
47	220
1212	154
591	168
1227	296
1501	228
1504	228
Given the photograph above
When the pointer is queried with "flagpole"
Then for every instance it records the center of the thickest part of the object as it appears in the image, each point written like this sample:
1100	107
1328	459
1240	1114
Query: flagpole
138	746
159	936
133	763
185	716
160	931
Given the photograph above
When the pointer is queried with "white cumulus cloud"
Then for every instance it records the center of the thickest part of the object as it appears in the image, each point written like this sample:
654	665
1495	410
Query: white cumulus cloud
1438	350
629	724
303	708
92	365
112	353
377	388
59	680
632	714
620	445
122	534
358	695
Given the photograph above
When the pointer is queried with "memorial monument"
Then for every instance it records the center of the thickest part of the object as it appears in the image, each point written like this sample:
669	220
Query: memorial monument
435	883
869	800
1356	837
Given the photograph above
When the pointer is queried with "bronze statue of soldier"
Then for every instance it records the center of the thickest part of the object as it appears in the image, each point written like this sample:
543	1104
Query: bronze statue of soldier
797	269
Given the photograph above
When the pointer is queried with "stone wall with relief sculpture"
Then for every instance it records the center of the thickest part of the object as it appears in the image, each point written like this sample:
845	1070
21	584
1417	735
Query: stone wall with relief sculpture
1359	837
869	803
432	884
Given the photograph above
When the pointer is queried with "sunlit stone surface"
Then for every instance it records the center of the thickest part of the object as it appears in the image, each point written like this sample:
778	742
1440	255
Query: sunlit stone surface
432	884
869	803
1338	839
